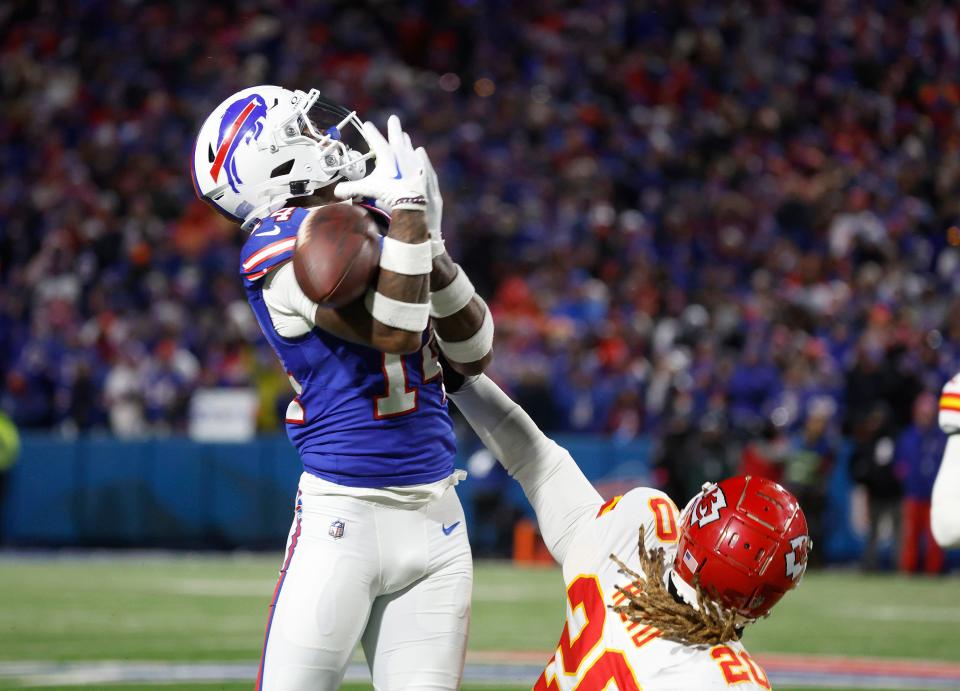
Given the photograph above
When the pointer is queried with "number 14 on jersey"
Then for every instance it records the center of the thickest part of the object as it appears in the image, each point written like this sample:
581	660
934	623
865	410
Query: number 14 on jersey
400	397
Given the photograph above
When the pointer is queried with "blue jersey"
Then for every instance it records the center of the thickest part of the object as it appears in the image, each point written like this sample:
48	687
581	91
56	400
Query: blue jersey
361	417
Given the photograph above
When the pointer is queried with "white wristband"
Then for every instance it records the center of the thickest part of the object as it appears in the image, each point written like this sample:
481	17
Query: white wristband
949	421
453	297
438	247
409	259
475	347
409	316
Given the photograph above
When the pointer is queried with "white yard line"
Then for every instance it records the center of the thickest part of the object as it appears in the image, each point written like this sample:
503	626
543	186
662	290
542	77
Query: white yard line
903	613
239	587
87	673
509	592
227	587
48	673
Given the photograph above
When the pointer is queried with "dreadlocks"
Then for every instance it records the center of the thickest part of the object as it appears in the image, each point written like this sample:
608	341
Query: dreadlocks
649	602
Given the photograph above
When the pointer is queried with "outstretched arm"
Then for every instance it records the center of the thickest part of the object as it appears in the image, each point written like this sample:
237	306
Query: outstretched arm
417	280
461	319
945	503
560	494
400	302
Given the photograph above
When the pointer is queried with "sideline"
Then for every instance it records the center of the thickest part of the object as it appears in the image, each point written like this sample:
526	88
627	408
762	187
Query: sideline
502	667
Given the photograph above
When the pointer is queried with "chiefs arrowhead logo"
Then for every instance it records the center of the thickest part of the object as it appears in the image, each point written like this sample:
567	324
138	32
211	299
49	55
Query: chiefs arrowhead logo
708	508
797	557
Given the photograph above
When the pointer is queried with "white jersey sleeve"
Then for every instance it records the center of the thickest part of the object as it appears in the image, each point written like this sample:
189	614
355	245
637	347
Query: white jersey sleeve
615	529
602	649
945	501
562	497
293	314
599	649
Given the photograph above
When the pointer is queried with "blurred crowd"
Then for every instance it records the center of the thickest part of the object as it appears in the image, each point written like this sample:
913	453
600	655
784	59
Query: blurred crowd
707	221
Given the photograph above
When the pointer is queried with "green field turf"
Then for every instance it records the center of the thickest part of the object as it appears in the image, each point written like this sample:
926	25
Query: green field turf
200	608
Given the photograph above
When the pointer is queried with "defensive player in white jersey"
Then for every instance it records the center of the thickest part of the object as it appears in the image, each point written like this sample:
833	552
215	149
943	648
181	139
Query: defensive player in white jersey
378	550
665	611
945	502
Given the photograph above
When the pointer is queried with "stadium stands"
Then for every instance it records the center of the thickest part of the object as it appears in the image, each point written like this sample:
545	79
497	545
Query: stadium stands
690	219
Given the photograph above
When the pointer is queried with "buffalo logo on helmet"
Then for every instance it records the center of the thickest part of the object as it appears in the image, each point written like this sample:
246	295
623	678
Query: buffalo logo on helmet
243	121
708	507
797	557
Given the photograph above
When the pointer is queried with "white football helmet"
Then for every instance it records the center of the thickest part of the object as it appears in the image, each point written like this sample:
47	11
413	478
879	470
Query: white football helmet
266	144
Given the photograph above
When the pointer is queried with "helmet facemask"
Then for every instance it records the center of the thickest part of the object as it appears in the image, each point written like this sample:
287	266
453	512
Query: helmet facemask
327	144
688	591
335	131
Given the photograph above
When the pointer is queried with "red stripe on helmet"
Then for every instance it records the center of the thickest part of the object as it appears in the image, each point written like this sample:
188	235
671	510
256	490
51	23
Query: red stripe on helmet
228	140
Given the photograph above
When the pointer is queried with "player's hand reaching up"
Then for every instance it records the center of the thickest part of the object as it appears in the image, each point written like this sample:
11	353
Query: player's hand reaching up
434	202
397	180
950	406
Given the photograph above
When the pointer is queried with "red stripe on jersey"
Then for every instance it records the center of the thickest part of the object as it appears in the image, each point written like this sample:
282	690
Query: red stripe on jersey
276	596
259	274
609	505
950	401
271	250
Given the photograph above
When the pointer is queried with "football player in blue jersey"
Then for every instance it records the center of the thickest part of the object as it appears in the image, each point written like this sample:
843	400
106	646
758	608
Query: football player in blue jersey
378	551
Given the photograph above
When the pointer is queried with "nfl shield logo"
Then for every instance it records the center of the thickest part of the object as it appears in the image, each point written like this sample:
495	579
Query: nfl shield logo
336	530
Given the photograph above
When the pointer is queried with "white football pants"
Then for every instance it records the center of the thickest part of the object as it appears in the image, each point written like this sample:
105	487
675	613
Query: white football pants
396	578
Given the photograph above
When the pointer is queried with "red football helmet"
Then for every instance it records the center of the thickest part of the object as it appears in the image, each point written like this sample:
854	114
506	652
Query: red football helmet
746	539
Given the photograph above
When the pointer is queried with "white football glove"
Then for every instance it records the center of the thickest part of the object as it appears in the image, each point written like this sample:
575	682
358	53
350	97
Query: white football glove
397	180
950	406
434	203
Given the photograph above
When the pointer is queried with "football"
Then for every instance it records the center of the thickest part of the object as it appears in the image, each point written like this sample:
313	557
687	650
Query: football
337	254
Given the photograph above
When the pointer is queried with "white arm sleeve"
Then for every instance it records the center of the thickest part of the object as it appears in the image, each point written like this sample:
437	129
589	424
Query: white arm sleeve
292	313
562	497
945	503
